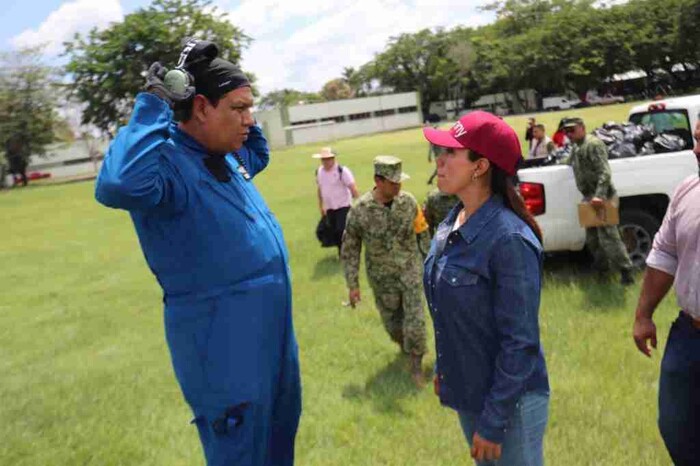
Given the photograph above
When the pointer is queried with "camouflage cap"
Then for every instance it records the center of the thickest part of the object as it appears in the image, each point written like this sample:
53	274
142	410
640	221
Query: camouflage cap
389	167
571	122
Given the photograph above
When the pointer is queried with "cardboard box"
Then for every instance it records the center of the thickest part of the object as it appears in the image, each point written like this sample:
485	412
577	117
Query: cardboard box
590	217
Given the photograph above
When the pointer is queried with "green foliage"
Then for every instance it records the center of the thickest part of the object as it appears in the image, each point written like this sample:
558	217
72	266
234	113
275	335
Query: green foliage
28	95
419	62
653	40
688	32
520	16
551	46
358	80
287	98
337	89
108	66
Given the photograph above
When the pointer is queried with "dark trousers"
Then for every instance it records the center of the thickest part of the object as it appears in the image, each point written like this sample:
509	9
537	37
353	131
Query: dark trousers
679	393
337	219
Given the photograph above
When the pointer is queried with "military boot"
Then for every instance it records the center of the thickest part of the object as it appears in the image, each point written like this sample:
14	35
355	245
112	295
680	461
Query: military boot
417	370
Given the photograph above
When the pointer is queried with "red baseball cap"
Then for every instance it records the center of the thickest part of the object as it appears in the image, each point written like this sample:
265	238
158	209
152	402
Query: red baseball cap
485	134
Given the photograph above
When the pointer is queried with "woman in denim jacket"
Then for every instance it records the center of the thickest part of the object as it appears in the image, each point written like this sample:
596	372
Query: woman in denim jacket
482	279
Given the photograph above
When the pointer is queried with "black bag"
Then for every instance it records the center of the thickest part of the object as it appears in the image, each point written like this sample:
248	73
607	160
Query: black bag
647	149
325	232
621	150
638	135
666	142
608	137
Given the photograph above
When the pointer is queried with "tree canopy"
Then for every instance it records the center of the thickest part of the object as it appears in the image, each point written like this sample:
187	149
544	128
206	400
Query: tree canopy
551	46
288	98
28	118
107	67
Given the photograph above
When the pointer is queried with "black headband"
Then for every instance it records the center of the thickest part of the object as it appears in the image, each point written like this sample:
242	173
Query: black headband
217	77
213	76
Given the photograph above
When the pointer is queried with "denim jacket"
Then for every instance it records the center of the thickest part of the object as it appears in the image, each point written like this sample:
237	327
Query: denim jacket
483	283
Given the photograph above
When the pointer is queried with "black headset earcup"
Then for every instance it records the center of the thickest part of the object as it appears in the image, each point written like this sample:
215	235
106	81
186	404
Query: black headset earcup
182	109
177	81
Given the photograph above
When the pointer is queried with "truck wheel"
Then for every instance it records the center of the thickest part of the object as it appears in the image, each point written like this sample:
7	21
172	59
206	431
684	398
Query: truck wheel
637	229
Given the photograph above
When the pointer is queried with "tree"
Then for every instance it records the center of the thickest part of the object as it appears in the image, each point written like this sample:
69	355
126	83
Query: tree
287	98
27	107
516	17
587	45
337	89
654	37
359	80
553	46
108	66
415	62
687	35
461	54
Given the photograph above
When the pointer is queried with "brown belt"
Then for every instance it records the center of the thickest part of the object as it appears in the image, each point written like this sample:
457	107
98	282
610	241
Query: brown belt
693	321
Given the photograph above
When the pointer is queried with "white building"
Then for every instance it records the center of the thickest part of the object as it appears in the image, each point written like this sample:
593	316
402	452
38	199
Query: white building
446	109
70	159
328	121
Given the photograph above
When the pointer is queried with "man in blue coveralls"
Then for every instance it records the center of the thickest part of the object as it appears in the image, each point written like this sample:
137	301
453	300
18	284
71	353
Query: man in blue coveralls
217	252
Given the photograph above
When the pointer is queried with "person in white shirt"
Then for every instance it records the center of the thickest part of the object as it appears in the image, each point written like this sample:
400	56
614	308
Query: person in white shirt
541	145
675	260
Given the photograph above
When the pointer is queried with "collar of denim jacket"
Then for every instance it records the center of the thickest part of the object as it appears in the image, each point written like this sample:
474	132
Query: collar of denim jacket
473	226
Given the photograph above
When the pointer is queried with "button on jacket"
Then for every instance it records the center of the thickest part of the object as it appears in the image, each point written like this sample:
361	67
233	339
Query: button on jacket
482	283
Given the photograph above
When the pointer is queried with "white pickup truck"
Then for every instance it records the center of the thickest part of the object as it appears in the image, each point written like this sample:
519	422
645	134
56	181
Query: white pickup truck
644	184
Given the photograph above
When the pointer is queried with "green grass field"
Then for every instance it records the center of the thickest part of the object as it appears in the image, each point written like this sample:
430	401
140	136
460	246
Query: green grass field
85	377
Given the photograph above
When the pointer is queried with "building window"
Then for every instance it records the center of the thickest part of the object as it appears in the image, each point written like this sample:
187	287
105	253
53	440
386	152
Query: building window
412	109
360	116
337	119
381	113
303	122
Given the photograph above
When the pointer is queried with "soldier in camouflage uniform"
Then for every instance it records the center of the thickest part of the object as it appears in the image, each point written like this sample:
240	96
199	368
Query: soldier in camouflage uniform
589	159
437	206
393	229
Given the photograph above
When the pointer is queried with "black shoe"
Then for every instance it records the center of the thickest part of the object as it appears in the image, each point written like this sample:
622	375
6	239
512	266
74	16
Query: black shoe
626	277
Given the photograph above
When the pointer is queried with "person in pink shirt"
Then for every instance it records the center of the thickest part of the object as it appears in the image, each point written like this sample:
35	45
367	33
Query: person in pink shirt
675	257
336	190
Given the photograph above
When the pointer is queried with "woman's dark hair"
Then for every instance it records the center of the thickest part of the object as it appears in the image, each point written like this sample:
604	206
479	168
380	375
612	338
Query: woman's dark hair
502	183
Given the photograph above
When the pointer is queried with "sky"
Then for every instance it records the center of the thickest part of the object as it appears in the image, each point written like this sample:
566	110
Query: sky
299	45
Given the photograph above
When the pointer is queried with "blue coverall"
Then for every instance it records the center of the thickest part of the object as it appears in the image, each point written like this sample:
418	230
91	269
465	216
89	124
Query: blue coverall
220	258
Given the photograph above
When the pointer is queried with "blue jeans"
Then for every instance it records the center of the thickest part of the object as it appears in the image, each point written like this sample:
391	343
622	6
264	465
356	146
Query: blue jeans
522	445
679	393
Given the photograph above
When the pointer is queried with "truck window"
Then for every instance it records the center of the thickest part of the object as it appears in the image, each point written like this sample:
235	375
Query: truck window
666	121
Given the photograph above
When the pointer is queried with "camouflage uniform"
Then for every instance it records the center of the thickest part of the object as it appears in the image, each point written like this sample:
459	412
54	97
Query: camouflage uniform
396	239
437	206
589	159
